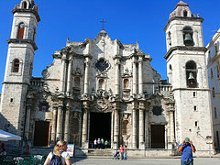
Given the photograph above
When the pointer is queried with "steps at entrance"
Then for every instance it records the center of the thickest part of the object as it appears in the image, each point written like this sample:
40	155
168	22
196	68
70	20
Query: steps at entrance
100	153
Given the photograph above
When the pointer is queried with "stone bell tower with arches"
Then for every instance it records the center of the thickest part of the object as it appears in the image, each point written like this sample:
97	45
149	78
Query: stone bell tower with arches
18	71
187	73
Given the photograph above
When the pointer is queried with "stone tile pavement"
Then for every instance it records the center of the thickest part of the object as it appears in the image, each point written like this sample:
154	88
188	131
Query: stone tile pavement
96	161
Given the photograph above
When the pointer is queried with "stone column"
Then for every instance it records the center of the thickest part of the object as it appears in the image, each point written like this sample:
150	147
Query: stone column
117	75
27	124
140	76
134	77
141	126
172	127
63	73
60	122
68	91
54	125
147	125
112	128
67	124
116	129
86	76
85	127
134	128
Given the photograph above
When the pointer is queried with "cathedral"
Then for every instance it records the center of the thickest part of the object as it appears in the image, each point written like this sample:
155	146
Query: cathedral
102	88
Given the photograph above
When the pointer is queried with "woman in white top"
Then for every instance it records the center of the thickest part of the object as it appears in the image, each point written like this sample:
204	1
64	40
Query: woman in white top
59	150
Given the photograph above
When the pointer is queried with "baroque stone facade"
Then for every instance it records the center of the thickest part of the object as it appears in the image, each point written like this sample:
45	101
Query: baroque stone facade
102	88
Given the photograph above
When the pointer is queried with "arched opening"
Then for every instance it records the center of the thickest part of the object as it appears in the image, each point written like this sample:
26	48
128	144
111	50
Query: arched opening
25	5
191	74
126	83
101	84
125	127
20	34
170	67
100	128
188	36
185	13
34	35
169	38
15	65
77	82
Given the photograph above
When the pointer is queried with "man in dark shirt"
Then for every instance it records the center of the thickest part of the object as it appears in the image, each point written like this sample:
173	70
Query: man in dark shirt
187	148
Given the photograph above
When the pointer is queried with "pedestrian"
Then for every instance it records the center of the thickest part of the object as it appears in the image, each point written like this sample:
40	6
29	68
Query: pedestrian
102	143
95	143
106	143
2	149
125	155
59	154
187	148
99	143
122	150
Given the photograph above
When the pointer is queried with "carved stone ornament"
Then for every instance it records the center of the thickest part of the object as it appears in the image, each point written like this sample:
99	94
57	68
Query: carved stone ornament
102	65
103	105
45	73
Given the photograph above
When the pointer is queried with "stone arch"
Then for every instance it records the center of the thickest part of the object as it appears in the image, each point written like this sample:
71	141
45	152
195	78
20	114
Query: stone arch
25	5
15	65
191	74
21	30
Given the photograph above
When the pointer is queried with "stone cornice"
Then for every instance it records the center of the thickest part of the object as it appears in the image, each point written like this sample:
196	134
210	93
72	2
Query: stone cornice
197	19
18	83
17	10
23	41
186	48
191	89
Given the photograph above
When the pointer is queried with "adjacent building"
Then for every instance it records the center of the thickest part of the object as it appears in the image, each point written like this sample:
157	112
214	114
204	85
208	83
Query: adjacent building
213	66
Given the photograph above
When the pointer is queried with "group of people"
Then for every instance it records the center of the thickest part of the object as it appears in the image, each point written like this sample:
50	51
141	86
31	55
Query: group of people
59	154
2	149
121	153
100	143
186	148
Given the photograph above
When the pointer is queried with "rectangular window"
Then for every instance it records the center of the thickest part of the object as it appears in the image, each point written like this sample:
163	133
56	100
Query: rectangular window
215	112
194	94
195	108
218	70
213	92
196	123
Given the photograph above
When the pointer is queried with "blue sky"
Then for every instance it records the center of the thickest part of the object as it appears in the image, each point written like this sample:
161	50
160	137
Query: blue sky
127	20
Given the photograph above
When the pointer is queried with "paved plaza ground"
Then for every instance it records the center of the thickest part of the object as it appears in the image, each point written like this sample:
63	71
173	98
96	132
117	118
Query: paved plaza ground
197	161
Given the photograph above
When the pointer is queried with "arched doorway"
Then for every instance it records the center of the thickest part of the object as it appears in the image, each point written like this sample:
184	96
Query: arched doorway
100	127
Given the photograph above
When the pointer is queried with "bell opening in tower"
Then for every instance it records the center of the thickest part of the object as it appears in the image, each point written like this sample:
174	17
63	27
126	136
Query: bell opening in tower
100	129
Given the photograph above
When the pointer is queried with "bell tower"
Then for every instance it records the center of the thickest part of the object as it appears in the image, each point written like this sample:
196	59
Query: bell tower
18	71
186	71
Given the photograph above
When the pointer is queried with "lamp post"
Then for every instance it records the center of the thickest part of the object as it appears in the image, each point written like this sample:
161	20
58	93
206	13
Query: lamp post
209	142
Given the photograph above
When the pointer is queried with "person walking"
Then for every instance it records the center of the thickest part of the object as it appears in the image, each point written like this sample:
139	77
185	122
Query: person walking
122	150
95	143
2	149
59	155
187	148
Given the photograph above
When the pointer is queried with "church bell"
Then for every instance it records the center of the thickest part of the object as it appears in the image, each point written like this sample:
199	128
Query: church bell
188	41
191	77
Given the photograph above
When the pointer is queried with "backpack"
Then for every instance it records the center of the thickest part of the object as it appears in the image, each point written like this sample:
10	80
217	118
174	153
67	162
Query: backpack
56	160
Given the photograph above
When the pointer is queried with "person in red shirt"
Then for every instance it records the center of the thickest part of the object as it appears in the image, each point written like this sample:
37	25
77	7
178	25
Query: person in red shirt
121	150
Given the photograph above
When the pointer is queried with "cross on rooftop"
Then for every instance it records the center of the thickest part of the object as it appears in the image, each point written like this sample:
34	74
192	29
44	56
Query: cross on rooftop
103	21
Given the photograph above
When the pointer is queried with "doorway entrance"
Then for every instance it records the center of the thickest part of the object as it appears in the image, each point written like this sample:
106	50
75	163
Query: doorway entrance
41	133
157	136
100	127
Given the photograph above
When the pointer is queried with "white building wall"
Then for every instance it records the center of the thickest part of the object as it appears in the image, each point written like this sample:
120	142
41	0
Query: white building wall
213	62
